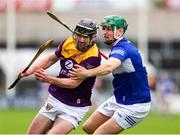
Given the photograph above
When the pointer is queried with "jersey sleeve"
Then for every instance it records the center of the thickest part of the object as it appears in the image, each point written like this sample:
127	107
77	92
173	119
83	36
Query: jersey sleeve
119	53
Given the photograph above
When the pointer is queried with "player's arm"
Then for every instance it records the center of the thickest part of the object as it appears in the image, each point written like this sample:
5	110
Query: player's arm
42	76
111	64
44	63
47	61
65	82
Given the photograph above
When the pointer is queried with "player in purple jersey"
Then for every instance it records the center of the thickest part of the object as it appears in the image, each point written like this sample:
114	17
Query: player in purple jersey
130	103
69	99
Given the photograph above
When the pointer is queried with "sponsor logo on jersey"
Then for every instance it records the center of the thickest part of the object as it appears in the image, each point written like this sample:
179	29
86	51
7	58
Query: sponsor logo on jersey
69	64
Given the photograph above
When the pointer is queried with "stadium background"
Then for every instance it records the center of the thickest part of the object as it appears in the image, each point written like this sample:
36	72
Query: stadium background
24	26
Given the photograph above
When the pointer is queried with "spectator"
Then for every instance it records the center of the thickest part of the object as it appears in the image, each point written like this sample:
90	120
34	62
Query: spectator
166	87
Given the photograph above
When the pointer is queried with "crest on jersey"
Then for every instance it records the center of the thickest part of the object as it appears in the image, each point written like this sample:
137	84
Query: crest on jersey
66	51
78	57
49	106
69	64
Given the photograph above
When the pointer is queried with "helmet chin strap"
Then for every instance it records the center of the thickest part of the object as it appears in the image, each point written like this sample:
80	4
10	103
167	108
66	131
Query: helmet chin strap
114	34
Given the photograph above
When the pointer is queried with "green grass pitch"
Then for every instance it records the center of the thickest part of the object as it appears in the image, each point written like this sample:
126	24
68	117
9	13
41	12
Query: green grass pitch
16	121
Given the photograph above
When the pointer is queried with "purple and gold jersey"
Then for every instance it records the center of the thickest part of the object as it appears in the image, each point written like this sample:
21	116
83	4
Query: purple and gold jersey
69	55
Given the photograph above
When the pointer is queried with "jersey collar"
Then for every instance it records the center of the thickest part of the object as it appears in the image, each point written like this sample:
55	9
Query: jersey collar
118	41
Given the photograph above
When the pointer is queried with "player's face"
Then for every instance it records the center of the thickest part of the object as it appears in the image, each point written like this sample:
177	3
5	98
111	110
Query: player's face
108	34
81	40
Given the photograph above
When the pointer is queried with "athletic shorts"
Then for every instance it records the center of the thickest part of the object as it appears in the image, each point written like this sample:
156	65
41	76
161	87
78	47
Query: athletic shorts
54	108
126	116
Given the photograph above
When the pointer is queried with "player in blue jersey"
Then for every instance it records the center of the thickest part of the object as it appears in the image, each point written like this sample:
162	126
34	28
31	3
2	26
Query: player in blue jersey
69	100
131	101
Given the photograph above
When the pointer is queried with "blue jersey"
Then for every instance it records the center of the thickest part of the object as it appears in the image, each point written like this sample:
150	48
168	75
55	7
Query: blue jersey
130	78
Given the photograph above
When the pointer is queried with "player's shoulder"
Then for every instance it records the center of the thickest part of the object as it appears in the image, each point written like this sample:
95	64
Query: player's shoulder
92	58
68	42
123	42
92	52
68	48
126	44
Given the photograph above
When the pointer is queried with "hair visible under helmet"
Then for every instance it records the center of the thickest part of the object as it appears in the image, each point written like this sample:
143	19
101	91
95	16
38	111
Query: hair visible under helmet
114	22
86	27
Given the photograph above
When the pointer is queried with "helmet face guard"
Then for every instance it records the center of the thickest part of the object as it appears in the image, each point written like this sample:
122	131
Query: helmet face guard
85	28
84	31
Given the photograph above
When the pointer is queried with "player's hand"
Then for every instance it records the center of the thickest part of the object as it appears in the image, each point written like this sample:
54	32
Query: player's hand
41	75
78	72
27	73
